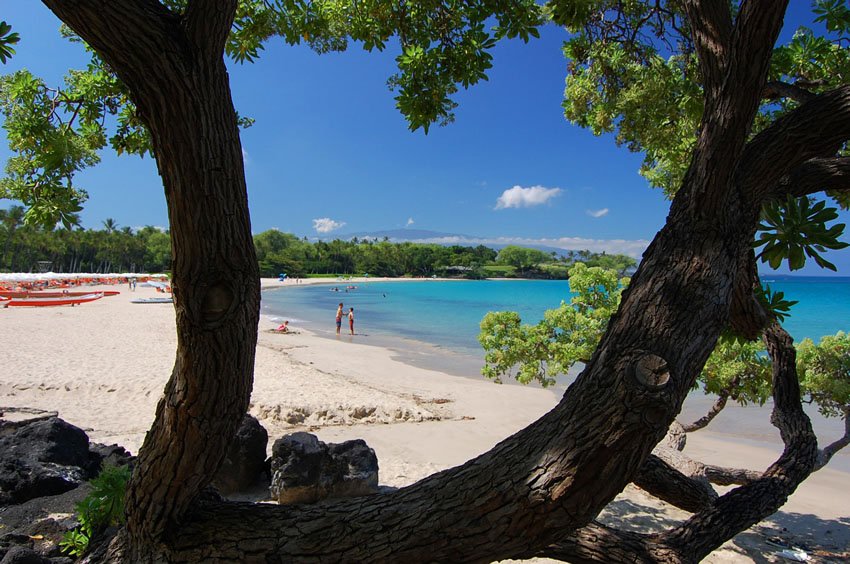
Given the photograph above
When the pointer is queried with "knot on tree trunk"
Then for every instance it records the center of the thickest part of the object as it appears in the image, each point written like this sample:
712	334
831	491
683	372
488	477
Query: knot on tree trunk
651	371
649	381
217	303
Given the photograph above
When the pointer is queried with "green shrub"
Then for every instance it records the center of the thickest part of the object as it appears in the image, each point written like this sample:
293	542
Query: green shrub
102	508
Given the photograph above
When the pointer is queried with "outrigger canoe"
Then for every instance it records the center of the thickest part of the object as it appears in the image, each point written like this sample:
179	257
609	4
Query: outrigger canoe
34	294
53	301
162	300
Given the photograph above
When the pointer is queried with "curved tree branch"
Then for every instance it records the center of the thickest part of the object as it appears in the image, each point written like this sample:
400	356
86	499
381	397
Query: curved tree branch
666	482
777	89
713	411
825	455
748	504
816	129
600	544
815	175
117	30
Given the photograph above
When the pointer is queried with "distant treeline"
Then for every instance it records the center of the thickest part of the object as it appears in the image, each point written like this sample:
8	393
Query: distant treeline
26	248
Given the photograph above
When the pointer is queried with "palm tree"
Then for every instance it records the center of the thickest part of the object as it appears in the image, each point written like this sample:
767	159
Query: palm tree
110	225
11	220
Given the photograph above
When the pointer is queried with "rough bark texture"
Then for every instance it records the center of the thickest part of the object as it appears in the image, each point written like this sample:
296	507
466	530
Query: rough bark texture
532	490
174	70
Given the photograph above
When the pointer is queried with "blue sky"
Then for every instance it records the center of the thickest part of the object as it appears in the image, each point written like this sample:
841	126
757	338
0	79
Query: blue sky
330	155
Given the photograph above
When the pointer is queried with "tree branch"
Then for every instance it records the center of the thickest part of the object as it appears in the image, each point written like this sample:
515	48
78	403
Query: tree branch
815	175
125	34
664	481
723	476
748	504
711	24
734	70
705	473
816	129
715	409
756	29
747	317
208	24
600	544
825	455
777	89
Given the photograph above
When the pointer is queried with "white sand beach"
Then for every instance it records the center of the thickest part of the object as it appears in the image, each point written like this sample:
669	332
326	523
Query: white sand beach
103	365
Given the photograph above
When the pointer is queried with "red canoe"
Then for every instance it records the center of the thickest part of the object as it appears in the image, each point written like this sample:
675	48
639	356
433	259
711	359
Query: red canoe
40	301
33	294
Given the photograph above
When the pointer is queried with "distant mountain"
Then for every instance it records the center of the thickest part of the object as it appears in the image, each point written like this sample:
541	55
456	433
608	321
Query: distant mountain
400	235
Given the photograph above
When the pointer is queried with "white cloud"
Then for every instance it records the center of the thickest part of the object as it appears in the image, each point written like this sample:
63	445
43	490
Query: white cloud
597	213
326	225
409	222
245	158
631	247
519	197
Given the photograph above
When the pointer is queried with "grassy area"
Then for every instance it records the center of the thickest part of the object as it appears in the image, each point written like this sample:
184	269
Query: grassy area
499	271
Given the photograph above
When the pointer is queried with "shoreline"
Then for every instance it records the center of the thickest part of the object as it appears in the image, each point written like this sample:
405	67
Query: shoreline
747	426
103	365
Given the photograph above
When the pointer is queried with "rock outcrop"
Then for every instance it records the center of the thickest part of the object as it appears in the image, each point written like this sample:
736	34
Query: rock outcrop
306	470
245	466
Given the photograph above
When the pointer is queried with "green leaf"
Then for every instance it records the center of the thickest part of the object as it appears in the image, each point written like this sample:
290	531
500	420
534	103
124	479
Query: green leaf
797	228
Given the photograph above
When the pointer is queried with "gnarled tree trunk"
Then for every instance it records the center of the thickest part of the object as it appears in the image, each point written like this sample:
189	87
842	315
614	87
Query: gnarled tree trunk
535	488
174	69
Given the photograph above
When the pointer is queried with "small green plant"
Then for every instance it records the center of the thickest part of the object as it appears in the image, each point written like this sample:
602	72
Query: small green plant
74	543
102	508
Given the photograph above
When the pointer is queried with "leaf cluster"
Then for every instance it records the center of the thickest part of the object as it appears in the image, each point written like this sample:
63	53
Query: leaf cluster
7	39
566	335
774	302
795	229
632	71
444	44
102	508
737	368
825	373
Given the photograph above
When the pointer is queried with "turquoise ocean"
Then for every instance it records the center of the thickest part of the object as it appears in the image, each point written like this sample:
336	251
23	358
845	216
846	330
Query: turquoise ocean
434	324
446	314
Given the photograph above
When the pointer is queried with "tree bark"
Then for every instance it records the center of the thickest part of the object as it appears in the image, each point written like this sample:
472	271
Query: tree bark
533	489
174	70
715	409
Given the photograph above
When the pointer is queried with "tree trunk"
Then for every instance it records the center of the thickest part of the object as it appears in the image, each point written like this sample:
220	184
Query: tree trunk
174	69
531	490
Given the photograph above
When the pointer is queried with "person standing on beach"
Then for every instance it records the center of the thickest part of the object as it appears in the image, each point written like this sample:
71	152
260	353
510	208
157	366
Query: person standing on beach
338	317
351	320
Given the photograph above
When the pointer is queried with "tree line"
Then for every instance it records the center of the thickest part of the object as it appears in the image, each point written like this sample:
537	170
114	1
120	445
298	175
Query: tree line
25	247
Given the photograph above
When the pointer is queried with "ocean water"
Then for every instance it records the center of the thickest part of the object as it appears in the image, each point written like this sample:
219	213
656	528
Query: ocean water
434	324
446	314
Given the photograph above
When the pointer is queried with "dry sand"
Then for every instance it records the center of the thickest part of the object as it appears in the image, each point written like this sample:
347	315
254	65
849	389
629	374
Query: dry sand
103	365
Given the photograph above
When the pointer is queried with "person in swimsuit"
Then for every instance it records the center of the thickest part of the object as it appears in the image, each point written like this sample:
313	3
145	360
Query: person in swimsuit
351	320
338	318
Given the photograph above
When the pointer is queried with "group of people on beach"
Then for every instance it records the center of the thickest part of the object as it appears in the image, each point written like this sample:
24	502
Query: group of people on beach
284	327
339	315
